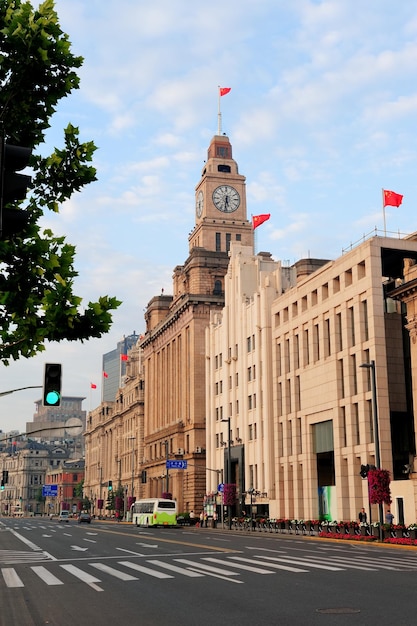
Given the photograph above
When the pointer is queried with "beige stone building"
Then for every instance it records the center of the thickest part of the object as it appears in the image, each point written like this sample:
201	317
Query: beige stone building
174	344
114	442
287	371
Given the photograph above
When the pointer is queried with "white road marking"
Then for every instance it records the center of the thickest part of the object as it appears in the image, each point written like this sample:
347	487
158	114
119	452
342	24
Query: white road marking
11	578
145	570
86	578
247	568
113	572
30	544
297	561
209	568
174	568
46	576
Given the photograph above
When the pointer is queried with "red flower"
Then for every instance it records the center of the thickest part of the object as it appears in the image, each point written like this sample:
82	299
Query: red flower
378	483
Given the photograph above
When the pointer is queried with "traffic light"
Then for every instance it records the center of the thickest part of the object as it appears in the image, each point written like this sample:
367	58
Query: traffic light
52	384
5	477
110	487
2	485
13	187
364	471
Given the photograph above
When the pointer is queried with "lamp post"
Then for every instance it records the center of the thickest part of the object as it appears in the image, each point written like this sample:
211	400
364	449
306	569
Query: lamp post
229	470
251	491
132	486
371	367
166	444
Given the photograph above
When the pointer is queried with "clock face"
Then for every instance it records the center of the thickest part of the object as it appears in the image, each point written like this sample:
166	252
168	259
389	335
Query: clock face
199	204
226	198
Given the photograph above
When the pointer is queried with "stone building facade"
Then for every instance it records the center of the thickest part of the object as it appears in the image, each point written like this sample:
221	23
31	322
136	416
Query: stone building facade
174	343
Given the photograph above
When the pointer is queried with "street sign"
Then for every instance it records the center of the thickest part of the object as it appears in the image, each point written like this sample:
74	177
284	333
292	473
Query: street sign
220	487
176	464
49	491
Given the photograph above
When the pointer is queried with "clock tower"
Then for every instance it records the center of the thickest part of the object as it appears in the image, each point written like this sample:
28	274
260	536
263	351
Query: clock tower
220	202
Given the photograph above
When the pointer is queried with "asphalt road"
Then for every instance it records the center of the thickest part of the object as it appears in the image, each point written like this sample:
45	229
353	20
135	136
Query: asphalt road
108	573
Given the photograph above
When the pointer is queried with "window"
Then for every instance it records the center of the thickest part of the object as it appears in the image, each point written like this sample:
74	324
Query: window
222	151
228	239
339	342
218	242
249	373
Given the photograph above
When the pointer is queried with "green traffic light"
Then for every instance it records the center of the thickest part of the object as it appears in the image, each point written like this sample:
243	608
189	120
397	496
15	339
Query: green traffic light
52	398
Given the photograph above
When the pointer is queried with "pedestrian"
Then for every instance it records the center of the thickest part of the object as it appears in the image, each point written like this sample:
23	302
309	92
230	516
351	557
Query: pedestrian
205	520
362	516
214	519
389	518
202	519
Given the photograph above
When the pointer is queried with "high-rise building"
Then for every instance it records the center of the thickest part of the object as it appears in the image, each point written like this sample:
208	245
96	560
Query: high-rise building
114	367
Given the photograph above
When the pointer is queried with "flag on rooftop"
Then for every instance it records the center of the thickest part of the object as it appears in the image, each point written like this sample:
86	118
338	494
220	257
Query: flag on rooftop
124	357
224	90
105	374
391	198
93	386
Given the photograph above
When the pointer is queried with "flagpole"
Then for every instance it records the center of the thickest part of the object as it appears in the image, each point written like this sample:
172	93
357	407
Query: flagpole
383	213
254	236
219	116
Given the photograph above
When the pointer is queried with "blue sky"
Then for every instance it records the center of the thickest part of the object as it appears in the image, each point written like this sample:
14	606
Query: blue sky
321	116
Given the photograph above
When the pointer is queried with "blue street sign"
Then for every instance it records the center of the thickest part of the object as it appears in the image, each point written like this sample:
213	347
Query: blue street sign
49	491
220	487
176	464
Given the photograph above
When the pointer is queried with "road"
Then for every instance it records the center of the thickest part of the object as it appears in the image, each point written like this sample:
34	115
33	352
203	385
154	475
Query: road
106	573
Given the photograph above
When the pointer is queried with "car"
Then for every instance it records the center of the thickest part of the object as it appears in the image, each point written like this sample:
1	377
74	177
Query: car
84	518
63	516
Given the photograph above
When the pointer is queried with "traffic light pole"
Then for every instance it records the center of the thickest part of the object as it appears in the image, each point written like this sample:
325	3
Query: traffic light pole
6	393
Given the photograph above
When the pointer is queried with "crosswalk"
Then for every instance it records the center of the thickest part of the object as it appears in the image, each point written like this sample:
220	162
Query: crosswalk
234	568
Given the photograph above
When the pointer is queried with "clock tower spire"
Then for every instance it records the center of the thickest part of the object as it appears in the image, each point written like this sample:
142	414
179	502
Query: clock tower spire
220	202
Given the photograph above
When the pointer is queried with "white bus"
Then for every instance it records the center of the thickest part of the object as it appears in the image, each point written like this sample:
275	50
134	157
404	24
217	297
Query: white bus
154	512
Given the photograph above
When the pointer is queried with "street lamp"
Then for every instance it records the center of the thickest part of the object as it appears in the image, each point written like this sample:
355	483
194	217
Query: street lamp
251	491
132	439
166	444
371	367
229	470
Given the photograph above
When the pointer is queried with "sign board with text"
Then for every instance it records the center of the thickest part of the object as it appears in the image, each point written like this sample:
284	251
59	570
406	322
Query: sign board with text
176	464
49	491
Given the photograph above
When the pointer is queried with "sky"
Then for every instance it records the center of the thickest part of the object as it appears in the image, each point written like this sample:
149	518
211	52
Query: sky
321	115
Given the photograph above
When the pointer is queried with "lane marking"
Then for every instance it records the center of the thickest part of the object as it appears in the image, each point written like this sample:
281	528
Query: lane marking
83	576
102	567
174	568
297	561
208	568
30	544
145	570
11	578
46	575
247	568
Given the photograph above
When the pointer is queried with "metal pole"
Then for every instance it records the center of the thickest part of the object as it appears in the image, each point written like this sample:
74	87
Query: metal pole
376	438
166	444
372	368
229	472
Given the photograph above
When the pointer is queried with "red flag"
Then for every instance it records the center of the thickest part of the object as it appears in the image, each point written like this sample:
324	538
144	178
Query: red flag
391	198
105	374
257	220
124	357
224	90
93	386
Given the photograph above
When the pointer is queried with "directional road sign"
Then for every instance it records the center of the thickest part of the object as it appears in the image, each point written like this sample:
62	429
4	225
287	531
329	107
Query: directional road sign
49	491
176	464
